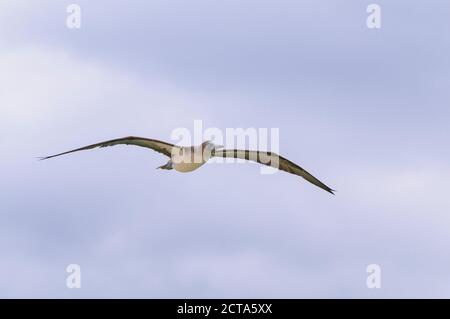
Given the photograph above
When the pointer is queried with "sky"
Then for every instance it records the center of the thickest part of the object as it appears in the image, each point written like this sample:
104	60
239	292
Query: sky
364	110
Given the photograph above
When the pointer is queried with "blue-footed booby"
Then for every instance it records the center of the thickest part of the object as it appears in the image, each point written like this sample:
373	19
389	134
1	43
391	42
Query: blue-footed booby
188	159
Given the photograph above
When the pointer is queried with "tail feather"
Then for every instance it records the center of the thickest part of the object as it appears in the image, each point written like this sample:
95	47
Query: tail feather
167	166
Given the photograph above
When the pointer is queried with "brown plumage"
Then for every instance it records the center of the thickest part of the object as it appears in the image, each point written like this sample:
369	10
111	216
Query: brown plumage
273	160
182	159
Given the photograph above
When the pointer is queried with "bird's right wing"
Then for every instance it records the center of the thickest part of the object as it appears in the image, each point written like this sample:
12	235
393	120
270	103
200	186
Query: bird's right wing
273	160
158	146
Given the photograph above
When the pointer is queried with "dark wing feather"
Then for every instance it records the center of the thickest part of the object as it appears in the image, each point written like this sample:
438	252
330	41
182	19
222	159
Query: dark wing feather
274	160
158	146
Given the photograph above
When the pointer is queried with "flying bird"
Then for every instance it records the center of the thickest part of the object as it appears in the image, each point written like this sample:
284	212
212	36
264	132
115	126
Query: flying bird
188	159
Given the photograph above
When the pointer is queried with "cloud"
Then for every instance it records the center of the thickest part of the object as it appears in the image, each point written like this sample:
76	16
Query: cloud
377	135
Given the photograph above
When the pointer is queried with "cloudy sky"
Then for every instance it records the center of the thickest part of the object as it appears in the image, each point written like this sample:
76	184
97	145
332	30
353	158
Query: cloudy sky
366	110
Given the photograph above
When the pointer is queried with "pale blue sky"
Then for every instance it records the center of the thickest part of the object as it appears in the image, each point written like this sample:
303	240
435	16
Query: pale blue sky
366	111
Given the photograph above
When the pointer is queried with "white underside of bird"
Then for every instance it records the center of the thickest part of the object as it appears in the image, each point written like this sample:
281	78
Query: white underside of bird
188	159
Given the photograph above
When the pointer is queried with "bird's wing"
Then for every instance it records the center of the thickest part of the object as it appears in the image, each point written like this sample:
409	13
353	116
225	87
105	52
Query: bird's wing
274	160
159	146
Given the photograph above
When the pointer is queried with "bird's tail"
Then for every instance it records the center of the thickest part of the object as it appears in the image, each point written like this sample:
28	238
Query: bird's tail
168	166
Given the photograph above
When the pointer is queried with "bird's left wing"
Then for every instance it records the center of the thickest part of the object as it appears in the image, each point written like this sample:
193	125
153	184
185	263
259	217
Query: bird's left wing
158	146
274	160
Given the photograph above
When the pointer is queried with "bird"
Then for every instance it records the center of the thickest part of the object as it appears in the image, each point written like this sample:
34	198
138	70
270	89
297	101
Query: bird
189	158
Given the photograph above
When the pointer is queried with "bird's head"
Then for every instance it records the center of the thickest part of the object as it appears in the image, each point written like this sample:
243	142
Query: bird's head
209	147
